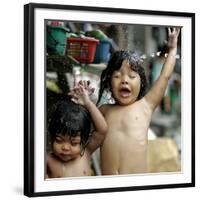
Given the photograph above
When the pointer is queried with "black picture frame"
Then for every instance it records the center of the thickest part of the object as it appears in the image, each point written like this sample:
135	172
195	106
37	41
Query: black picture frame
30	95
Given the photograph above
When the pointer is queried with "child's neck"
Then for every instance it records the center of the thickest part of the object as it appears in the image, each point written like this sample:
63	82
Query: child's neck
124	105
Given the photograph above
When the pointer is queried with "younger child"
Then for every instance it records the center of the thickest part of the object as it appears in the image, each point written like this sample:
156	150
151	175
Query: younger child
71	138
124	150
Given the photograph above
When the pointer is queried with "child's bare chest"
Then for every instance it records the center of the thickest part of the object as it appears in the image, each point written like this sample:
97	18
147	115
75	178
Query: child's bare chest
126	139
78	167
128	120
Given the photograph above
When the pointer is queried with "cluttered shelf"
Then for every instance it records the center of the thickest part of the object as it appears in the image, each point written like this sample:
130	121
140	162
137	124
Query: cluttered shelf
73	55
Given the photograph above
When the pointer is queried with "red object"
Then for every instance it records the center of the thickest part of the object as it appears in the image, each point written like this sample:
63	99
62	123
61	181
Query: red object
56	23
82	49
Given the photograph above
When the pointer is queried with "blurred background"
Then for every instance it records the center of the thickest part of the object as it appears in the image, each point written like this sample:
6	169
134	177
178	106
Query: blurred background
80	50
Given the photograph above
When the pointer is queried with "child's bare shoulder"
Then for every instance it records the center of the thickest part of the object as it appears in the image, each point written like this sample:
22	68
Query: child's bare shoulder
50	159
104	108
144	103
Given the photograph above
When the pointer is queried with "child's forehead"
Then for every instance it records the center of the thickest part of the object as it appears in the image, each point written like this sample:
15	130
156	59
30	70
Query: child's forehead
67	135
126	66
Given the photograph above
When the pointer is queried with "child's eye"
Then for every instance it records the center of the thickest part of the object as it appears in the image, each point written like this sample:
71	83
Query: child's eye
132	76
75	140
116	76
58	140
75	143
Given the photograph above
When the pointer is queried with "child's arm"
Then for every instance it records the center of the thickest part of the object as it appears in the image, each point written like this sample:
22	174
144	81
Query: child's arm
156	93
80	95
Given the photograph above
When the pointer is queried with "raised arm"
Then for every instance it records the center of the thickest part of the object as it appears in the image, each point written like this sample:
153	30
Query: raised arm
80	95
156	93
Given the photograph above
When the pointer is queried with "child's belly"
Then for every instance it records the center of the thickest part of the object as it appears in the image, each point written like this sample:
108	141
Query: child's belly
124	153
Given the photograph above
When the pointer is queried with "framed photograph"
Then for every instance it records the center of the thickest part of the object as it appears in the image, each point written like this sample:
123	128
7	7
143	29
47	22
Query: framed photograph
64	44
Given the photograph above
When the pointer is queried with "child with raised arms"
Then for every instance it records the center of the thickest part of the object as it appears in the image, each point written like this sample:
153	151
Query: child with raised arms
124	150
72	140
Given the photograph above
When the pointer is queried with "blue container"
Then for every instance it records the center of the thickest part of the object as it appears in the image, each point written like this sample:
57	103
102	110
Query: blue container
102	52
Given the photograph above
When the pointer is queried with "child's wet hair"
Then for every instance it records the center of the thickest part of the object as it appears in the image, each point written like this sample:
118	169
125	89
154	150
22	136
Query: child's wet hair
115	63
70	118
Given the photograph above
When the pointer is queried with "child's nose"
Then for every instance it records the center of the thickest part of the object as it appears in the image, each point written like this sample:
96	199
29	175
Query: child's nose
124	80
66	146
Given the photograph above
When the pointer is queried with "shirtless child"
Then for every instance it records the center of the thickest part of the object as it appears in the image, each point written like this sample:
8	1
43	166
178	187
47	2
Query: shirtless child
71	141
124	150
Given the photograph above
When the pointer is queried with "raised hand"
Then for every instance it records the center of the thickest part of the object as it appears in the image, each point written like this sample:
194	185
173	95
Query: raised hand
86	85
173	34
80	93
156	93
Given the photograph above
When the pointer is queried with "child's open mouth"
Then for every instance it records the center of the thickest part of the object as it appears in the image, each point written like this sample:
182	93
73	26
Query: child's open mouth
124	92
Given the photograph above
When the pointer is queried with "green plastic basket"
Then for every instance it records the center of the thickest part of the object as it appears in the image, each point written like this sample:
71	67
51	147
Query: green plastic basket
56	40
